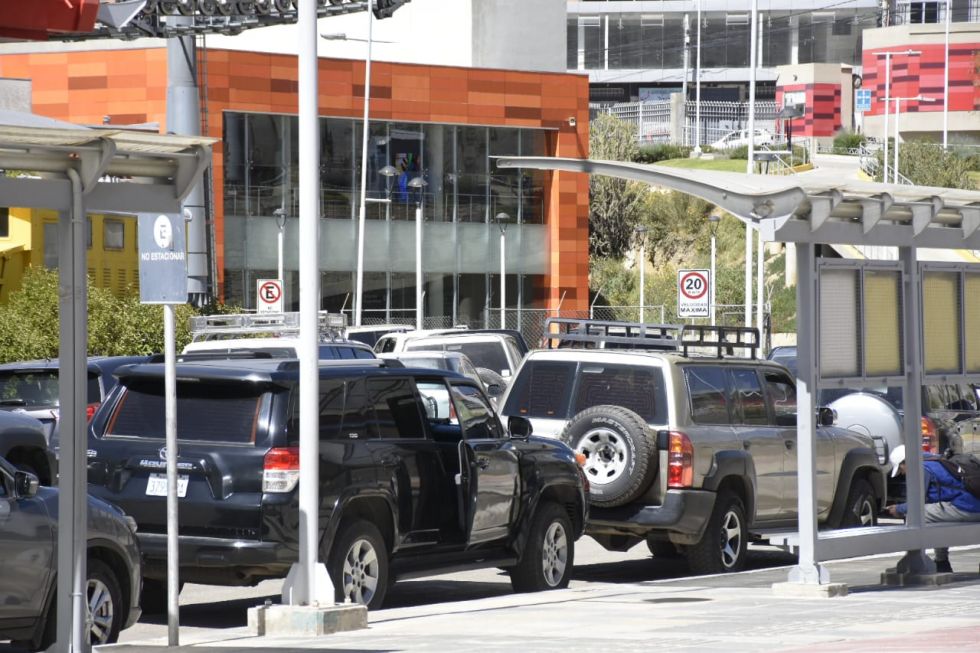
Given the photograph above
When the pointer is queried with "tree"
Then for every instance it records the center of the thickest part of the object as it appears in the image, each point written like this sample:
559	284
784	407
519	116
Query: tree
926	164
615	205
116	325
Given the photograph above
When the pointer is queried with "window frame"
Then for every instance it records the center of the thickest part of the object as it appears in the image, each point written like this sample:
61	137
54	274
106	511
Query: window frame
738	412
106	222
726	393
770	402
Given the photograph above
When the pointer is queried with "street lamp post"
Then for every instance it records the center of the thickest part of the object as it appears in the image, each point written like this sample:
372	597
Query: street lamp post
917	98
280	215
641	234
418	184
361	216
502	219
713	221
888	82
389	172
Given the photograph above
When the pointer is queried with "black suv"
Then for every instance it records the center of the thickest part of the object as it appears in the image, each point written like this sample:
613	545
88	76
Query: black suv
417	476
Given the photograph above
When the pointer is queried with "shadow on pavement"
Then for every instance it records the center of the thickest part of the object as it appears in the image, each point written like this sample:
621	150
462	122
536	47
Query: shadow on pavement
219	614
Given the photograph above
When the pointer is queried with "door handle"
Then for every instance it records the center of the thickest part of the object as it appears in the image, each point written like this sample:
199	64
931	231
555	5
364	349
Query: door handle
789	444
746	444
482	463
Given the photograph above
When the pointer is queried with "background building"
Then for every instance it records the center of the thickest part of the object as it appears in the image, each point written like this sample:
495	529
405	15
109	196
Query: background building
443	124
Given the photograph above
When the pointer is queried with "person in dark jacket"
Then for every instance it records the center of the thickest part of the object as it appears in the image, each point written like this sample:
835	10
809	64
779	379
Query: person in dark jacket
947	500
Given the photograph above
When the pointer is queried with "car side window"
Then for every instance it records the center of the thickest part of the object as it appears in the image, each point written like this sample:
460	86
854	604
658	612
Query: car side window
392	409
781	393
749	405
385	345
439	411
341	410
475	415
709	395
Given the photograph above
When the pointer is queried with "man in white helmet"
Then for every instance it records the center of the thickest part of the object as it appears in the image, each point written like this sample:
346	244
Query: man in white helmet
947	499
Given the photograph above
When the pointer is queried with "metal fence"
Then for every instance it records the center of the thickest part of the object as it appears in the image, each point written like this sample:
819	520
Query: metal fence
720	118
530	321
652	120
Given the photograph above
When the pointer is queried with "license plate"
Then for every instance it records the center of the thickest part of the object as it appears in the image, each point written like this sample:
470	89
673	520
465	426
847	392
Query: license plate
156	485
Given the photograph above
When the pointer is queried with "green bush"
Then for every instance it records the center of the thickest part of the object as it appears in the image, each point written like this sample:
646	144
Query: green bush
116	325
848	140
662	152
740	152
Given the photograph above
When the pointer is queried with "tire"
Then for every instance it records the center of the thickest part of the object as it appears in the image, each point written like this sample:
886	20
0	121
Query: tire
104	604
153	599
620	452
862	505
724	544
663	549
359	565
549	554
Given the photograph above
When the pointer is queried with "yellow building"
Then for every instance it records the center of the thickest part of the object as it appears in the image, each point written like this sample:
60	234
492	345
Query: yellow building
30	237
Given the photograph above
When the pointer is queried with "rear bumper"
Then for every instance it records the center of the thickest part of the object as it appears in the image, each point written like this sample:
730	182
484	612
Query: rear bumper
683	511
245	558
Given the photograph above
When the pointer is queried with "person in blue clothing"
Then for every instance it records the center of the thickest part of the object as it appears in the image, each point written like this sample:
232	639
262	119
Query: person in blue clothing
947	500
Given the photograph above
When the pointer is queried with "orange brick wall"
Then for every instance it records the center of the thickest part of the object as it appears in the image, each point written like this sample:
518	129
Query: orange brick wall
130	86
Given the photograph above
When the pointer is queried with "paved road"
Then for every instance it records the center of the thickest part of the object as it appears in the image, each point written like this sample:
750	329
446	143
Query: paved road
205	607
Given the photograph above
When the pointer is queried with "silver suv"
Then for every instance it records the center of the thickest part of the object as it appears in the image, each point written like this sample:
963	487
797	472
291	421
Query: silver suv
694	454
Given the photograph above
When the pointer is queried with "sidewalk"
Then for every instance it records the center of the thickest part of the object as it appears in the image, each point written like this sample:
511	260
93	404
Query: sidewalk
736	612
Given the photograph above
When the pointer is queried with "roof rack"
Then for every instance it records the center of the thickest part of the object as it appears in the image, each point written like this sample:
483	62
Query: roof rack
723	339
570	332
206	326
602	334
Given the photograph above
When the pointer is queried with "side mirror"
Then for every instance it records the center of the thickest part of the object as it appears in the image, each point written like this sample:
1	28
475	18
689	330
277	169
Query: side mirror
826	416
25	484
519	427
494	390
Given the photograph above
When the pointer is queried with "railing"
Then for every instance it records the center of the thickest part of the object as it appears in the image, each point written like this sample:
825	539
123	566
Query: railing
652	120
721	118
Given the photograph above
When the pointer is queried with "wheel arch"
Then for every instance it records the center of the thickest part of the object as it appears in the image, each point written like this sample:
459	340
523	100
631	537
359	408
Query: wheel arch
375	508
859	463
734	470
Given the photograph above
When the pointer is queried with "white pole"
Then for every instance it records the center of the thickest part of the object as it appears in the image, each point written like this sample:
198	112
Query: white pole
898	109
888	82
304	584
170	424
503	277
753	61
713	281
687	60
418	265
697	96
282	278
949	11
361	216
760	277
748	274
643	268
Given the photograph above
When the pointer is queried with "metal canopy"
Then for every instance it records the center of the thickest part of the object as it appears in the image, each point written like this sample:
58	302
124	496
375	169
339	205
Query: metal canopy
806	209
74	170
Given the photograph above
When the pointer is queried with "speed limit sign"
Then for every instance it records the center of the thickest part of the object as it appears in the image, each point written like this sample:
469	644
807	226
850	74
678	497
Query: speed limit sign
693	293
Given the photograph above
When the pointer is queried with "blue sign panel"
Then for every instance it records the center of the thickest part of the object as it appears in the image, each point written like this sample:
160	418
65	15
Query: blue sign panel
163	258
862	99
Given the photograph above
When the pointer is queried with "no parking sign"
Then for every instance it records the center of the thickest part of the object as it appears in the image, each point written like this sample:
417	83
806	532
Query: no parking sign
693	293
268	294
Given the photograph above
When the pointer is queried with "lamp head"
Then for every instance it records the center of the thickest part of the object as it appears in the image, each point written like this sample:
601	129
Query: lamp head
388	171
417	182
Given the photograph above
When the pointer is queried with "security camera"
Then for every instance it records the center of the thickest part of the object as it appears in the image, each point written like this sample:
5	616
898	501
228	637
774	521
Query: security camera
572	122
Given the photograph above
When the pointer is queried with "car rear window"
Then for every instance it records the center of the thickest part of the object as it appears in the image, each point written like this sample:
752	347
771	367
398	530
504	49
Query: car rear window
709	395
483	354
39	388
210	412
542	389
640	389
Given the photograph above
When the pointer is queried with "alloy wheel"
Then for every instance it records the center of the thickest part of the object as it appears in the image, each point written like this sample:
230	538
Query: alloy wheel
360	573
101	612
731	539
554	554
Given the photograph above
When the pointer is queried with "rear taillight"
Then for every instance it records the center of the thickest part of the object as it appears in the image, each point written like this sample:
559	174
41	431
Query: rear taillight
930	436
280	473
680	461
90	411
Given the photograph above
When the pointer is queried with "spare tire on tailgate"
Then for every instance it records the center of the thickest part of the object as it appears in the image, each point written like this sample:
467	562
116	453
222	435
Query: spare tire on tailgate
620	450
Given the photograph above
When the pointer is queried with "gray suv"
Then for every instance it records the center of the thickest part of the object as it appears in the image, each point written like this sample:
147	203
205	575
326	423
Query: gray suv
693	454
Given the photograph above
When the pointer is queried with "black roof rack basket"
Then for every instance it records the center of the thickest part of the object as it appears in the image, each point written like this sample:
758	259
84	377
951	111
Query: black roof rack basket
562	332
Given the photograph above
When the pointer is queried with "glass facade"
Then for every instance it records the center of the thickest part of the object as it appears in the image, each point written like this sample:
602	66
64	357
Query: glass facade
445	170
630	40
